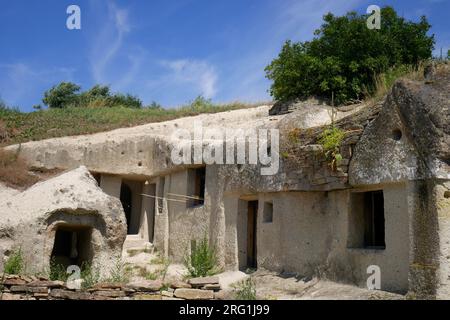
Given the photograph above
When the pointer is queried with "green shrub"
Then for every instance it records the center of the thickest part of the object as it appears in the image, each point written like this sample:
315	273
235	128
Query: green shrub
345	57
15	263
246	290
331	139
67	95
202	261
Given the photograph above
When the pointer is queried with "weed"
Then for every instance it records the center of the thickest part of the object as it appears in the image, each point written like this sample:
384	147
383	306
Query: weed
202	261
119	273
15	263
90	275
246	290
331	140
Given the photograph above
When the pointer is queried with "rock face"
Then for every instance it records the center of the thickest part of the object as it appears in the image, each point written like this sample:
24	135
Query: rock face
68	217
411	137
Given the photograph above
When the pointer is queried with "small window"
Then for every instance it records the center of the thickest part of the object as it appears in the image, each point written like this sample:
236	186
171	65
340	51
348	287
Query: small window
367	227
268	212
374	220
197	187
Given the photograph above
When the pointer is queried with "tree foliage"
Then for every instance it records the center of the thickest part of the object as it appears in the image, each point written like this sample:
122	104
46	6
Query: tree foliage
61	95
66	94
345	56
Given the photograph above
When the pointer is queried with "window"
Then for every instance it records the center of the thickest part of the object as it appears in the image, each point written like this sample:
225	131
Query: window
268	212
197	187
367	227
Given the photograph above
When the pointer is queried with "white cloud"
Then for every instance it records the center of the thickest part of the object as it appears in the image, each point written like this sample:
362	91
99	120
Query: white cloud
109	42
20	80
199	74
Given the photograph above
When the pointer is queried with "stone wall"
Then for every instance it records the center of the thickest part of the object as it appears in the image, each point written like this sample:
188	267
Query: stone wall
13	287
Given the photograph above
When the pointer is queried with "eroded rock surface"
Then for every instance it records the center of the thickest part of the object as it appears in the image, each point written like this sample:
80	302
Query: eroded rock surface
30	219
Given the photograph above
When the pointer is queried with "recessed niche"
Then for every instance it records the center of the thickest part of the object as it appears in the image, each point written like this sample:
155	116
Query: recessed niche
396	134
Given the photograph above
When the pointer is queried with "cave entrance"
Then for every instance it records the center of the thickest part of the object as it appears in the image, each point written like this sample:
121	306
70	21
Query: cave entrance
72	246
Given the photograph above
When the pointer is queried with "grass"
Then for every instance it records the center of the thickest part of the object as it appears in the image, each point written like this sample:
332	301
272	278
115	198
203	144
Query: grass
15	263
17	127
88	272
385	81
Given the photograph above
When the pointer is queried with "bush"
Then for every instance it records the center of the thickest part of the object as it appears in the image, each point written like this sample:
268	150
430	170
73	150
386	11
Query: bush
15	263
331	139
202	261
67	95
342	62
246	290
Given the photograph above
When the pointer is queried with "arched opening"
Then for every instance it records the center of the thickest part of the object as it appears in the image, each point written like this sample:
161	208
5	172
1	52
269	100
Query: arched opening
126	197
72	246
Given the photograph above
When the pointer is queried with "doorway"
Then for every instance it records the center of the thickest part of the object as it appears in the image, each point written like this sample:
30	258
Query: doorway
126	197
72	246
252	214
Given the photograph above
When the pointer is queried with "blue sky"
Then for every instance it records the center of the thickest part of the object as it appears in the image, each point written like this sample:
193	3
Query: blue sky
166	51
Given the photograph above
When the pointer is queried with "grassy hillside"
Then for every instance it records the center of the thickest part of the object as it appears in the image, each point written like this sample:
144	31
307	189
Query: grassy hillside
16	126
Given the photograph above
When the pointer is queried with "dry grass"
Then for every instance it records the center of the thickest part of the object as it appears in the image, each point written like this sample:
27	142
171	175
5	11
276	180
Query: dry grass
385	81
14	171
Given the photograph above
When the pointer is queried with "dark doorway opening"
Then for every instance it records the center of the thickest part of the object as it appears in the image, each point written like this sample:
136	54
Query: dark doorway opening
252	213
72	246
126	197
196	187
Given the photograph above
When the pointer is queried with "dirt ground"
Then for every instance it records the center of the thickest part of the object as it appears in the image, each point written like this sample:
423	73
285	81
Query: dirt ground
269	285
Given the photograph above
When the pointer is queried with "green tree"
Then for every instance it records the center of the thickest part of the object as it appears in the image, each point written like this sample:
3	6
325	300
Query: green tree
67	94
125	100
61	95
345	56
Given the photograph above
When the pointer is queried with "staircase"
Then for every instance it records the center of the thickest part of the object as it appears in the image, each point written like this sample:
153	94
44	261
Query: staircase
134	244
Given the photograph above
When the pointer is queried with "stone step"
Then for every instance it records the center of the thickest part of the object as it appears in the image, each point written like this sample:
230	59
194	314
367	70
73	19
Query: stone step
133	243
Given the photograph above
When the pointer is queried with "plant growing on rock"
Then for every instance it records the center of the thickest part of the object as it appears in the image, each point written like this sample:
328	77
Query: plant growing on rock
202	261
331	139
